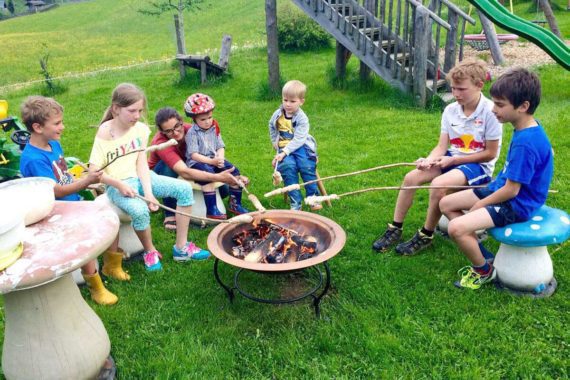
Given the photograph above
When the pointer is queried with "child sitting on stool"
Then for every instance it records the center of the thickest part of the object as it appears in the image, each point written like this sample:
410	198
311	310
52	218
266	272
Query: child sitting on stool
205	150
521	187
296	148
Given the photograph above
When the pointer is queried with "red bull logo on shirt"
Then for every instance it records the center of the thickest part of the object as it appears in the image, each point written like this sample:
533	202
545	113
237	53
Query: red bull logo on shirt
467	144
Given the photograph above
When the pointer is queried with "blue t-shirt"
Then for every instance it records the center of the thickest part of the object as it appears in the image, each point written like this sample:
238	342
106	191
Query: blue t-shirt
530	162
36	162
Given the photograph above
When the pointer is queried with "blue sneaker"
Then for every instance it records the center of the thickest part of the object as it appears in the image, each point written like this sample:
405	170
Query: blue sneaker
189	252
152	261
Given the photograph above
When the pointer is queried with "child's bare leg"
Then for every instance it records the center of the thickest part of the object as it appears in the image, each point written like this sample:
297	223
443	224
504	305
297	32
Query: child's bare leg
114	247
462	231
406	197
89	268
145	237
208	188
451	178
452	205
182	223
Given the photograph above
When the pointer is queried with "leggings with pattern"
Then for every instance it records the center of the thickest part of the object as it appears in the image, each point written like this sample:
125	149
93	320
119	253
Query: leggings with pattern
162	186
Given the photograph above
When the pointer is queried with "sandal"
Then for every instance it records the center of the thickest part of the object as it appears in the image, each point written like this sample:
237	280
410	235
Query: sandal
170	225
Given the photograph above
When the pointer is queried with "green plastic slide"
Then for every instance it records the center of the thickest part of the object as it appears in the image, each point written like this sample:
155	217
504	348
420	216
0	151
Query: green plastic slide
543	38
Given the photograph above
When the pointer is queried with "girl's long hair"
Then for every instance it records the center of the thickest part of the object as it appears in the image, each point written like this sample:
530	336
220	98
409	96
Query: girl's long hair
124	95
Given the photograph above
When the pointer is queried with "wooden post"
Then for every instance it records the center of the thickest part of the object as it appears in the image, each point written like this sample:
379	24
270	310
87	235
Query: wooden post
451	42
547	9
203	72
365	71
225	51
492	40
272	45
342	55
180	44
422	25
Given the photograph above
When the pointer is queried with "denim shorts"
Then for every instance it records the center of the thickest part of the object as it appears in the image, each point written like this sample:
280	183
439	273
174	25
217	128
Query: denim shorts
501	213
474	173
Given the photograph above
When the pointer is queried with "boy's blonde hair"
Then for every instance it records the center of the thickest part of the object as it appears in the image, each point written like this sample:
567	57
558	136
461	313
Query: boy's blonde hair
38	109
295	89
472	69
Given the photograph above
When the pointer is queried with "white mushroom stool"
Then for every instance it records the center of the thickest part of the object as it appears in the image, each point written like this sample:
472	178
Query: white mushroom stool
128	239
522	262
199	206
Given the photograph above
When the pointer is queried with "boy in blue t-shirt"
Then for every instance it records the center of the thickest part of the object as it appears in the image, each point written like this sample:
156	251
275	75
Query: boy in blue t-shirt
43	157
521	187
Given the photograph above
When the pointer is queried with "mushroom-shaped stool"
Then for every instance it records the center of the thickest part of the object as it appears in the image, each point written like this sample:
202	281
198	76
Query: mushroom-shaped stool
199	206
128	239
522	262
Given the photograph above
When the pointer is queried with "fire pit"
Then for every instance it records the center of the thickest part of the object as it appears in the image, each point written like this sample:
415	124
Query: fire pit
329	236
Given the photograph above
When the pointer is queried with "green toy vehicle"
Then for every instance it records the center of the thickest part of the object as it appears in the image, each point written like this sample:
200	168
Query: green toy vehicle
13	138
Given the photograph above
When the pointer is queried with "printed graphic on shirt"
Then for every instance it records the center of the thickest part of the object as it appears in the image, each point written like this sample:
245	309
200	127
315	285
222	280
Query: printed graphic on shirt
121	150
286	131
467	144
60	171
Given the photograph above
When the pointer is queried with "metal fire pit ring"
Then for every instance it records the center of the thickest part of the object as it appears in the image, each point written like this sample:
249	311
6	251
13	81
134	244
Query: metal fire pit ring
330	240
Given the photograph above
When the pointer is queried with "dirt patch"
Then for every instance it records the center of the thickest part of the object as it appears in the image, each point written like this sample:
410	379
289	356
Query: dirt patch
516	53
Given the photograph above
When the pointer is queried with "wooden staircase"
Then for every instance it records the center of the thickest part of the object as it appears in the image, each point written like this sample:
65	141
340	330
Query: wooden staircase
400	40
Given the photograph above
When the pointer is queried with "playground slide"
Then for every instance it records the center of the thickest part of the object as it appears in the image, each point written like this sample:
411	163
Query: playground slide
544	38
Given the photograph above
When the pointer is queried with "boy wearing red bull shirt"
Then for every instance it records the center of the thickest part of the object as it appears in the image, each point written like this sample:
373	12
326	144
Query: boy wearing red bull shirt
520	188
468	147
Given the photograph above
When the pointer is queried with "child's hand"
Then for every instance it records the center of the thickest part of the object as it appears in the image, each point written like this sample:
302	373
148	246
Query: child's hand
126	190
424	163
278	158
444	161
93	177
219	162
153	203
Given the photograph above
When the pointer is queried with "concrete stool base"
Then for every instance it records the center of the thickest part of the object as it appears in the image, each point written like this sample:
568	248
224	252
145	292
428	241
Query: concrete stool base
523	268
55	316
546	292
199	206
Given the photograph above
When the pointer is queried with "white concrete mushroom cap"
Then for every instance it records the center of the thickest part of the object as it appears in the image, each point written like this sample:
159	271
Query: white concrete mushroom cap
547	226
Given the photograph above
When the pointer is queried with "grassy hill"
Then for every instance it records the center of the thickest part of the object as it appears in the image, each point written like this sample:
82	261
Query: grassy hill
386	316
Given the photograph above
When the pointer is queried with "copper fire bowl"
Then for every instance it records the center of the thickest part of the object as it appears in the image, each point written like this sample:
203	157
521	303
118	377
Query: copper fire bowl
330	239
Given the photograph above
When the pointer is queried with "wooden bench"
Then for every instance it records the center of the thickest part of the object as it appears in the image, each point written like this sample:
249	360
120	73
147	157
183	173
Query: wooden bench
204	63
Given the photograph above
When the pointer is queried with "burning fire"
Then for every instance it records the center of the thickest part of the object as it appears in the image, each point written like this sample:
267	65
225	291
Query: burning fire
271	243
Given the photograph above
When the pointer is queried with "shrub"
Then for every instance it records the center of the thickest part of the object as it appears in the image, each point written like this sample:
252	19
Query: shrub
297	32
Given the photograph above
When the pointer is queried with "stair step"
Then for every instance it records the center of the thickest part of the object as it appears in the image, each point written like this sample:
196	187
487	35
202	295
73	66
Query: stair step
385	43
440	83
371	32
447	97
400	57
355	19
343	9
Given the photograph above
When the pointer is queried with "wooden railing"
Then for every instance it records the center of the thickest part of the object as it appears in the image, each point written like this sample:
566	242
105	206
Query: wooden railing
400	40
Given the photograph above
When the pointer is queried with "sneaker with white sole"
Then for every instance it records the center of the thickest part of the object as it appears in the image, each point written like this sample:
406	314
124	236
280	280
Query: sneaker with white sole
190	251
152	260
471	279
417	243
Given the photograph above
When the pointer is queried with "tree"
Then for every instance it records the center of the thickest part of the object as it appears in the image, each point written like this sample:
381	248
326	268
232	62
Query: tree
157	8
547	9
11	6
272	45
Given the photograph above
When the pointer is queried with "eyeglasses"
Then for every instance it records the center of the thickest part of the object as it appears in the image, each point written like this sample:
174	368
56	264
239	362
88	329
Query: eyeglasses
177	127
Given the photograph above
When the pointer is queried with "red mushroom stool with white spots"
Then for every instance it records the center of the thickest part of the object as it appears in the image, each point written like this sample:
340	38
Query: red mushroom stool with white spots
128	239
522	262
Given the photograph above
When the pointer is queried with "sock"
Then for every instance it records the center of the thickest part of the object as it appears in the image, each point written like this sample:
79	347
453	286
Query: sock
426	232
484	269
398	225
486	253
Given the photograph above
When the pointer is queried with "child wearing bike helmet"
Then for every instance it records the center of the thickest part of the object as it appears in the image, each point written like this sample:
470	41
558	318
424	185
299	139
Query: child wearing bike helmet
205	150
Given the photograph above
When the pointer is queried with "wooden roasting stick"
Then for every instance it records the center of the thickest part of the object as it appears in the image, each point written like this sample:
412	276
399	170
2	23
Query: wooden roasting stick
313	200
240	219
148	149
286	189
252	198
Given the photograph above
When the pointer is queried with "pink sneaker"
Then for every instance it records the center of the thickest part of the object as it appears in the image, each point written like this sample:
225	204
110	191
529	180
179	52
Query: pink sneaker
152	260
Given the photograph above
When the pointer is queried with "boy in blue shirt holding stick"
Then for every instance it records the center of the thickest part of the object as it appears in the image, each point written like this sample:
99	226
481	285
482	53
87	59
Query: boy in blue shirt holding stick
521	187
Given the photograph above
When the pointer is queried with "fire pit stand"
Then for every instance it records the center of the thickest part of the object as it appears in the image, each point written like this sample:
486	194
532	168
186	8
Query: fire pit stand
329	237
316	271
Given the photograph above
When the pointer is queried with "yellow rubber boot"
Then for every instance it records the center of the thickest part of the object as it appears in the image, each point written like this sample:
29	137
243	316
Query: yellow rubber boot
99	293
113	265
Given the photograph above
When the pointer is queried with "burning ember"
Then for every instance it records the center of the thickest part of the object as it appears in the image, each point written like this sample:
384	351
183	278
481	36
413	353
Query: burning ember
271	243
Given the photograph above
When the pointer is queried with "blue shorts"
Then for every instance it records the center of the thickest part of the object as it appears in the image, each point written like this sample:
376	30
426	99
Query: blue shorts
474	173
501	213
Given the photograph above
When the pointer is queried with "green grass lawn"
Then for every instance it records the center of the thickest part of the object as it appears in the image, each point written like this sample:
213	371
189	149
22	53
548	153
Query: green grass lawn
385	316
